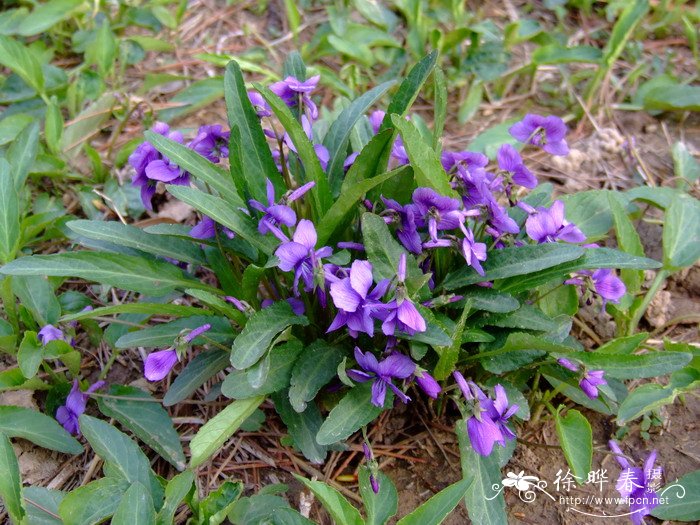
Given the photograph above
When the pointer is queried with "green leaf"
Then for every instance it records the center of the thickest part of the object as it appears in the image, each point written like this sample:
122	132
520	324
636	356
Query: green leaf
127	272
93	503
590	211
679	97
224	214
354	411
320	193
22	152
427	168
36	294
338	135
556	54
260	330
135	508
237	384
436	509
9	214
515	261
255	152
214	508
681	236
638	366
147	419
683	499
628	241
440	111
200	369
623	28
302	426
382	506
684	164
623	345
10	482
488	142
45	16
217	430
294	66
38	428
165	333
42	505
176	491
576	440
490	300
316	366
148	309
53	127
450	354
30	354
340	509
21	61
568	385
484	505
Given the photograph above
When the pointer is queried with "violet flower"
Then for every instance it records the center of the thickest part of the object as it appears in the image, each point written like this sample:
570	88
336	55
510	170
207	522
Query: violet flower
473	252
401	313
276	215
591	381
301	256
321	151
546	132
509	161
407	230
375	120
291	90
608	285
437	211
382	373
211	142
549	225
427	383
357	305
262	108
76	402
369	458
463	161
638	485
158	364
50	333
206	229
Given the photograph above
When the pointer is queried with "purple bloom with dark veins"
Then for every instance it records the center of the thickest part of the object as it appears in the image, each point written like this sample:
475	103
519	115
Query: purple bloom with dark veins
546	132
50	333
291	89
274	215
499	412
262	108
473	252
638	485
549	225
437	211
608	285
463	161
301	256
158	364
76	402
396	366
427	383
509	160
357	305
211	142
206	229
400	313
499	219
407	230
591	381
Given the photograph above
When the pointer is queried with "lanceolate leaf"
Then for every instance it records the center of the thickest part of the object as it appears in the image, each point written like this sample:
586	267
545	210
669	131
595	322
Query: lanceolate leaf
42	505
681	238
93	503
135	508
10	482
175	491
38	428
382	506
383	251
164	334
200	369
22	151
21	61
436	509
36	294
636	366
136	308
302	427
9	214
340	509
576	440
127	272
316	366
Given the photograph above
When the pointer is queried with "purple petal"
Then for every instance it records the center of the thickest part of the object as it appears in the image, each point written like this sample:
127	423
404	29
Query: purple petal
463	385
361	277
204	229
162	171
483	435
568	364
501	401
619	457
378	393
397	365
290	254
358	375
305	234
408	314
428	384
508	158
300	191
608	285
367	360
560	148
158	364
588	388
344	296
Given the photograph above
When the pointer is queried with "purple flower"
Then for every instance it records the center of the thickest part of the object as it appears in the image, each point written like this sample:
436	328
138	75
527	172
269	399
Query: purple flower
463	161
638	484
499	412
396	366
321	151
350	160
407	231
297	304
437	211
473	252
291	89
400	313
375	120
591	381
509	160
68	414
50	333
549	225
158	364
357	305
427	383
546	132
608	285
499	219
262	108
274	215
568	364
301	256
206	229
211	142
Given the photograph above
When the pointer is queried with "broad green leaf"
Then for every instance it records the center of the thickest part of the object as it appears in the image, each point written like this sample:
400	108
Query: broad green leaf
237	384
93	503
320	193
661	197
628	241
214	508
42	505
590	211
260	330
133	237
681	236
340	509
176	491
338	135
437	508
684	164
21	61
354	411
164	334
12	125
22	152
427	168
515	261
637	366
683	499
104	50
10	482
200	369
382	506
576	440
86	123
9	214
135	508
526	317
556	54
201	168
490	300
53	127
679	97
44	16
485	505
38	428
224	214
126	272
36	294
255	151
216	431
314	369
302	426
623	345
146	418
30	354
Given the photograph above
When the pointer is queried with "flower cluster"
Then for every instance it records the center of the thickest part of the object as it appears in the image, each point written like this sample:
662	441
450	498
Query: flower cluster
590	381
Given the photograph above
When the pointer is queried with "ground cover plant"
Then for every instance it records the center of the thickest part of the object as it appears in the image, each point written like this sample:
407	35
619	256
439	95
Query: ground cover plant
346	262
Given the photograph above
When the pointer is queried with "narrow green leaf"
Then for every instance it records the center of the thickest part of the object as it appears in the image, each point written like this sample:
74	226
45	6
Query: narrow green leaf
200	369
46	15
93	503
340	509
440	111
164	334
22	152
382	506
436	509
316	366
384	252
628	241
10	482
135	508
38	428
557	54
176	491
217	430
136	308
30	354
638	366
9	214
218	503
450	354
576	440
681	236
21	61
684	164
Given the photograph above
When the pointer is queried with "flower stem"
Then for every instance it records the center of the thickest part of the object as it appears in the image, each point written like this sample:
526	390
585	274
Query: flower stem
639	311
